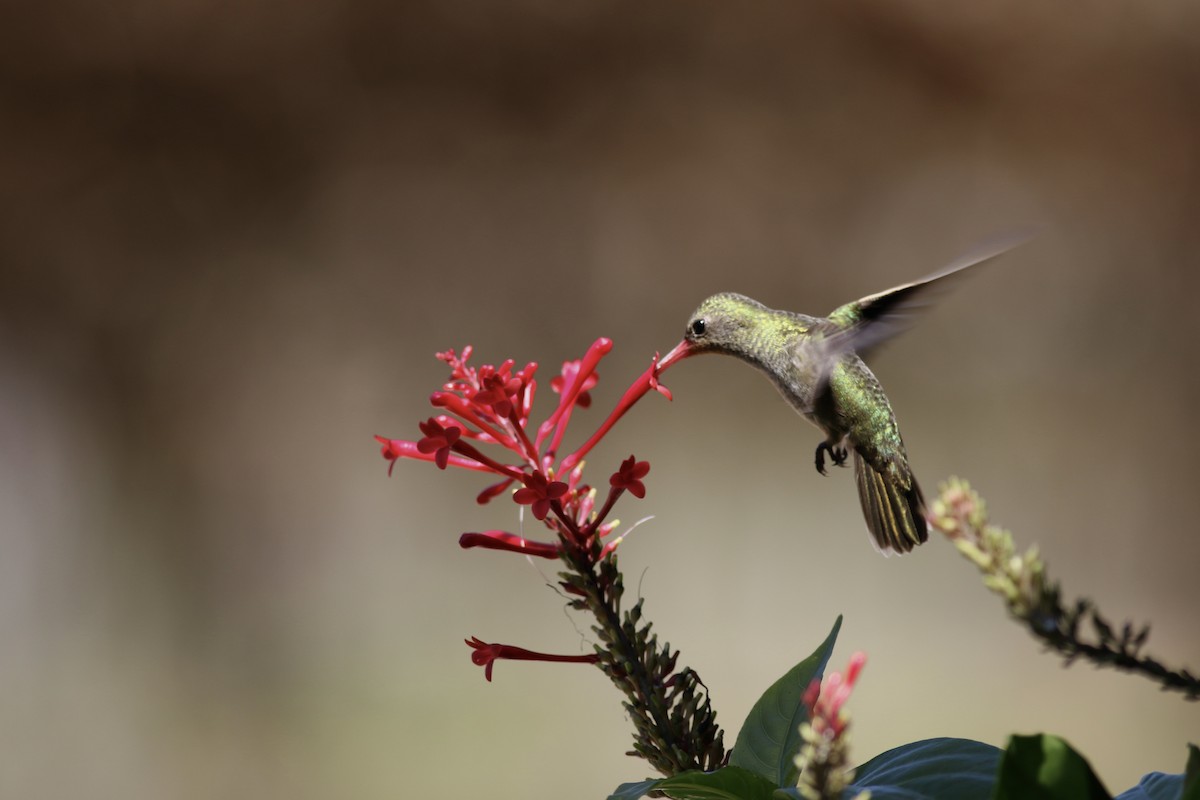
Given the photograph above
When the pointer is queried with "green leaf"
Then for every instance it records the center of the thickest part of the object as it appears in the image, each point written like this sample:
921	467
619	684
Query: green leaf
1160	786
632	791
1045	767
770	737
726	783
961	769
1191	780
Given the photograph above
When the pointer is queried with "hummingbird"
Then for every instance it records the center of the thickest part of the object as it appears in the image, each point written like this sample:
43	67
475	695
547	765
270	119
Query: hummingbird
817	364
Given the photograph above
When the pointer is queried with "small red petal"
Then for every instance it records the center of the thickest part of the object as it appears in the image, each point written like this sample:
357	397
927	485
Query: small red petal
495	490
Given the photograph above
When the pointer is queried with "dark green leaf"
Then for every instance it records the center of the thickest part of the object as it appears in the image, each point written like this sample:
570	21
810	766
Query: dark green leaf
770	737
1160	786
632	791
1191	780
1044	767
727	783
1155	786
961	769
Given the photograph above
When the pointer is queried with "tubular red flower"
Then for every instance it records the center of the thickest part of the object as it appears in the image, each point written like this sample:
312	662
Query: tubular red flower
539	492
490	463
629	477
575	478
457	405
393	449
567	381
646	381
502	540
485	655
586	503
570	396
610	546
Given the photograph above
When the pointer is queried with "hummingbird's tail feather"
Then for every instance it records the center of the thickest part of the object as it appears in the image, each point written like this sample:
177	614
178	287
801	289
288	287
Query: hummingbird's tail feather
895	516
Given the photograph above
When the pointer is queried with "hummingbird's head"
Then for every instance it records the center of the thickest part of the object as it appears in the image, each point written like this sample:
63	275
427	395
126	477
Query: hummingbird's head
723	323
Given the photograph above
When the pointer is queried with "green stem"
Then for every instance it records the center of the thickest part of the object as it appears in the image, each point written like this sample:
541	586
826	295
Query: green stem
1035	601
676	731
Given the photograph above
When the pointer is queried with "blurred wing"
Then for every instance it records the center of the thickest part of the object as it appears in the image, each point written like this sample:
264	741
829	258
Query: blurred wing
860	326
867	323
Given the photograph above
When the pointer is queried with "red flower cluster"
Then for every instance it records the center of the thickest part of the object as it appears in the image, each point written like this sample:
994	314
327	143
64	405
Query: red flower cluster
491	406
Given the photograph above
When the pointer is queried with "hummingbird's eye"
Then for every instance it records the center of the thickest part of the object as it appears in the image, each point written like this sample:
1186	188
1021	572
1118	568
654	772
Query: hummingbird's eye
698	327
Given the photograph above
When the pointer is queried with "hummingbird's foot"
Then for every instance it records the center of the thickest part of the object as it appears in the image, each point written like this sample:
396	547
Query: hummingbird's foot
837	454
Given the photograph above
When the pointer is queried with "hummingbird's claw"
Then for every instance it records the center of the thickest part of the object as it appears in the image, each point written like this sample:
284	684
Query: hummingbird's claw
838	454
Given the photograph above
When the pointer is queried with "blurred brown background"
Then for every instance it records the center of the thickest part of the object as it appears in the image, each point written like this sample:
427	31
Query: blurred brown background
233	234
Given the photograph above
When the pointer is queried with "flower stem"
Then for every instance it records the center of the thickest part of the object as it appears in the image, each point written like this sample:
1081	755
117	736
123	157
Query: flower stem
1036	601
675	726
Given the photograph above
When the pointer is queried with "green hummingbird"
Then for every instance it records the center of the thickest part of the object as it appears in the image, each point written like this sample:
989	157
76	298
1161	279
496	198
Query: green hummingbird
816	364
